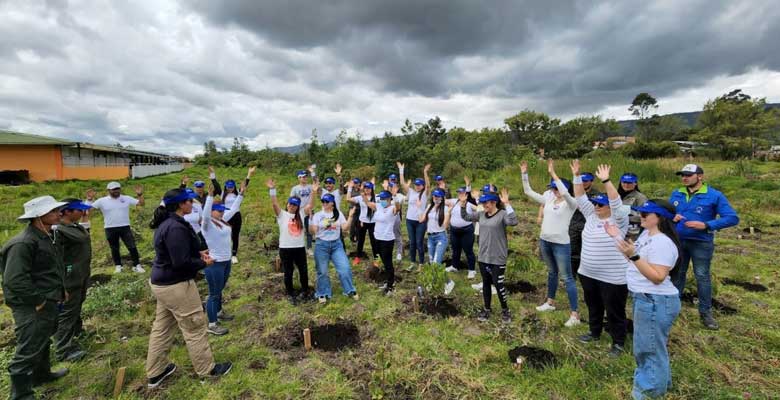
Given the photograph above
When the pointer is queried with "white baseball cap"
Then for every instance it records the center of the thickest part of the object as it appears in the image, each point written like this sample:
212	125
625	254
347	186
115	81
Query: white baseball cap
690	169
113	185
40	206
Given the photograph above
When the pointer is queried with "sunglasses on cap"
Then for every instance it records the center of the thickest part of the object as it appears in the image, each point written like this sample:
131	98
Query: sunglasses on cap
687	174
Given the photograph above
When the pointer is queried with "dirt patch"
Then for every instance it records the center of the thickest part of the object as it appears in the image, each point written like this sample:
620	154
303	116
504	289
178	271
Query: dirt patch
328	337
716	304
99	279
378	275
258	364
750	287
755	230
520	286
533	357
271	245
440	307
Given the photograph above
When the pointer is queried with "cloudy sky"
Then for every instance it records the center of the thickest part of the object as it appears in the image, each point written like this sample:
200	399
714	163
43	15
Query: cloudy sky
167	75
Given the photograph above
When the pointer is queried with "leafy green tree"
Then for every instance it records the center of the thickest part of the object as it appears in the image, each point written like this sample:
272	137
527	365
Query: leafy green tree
531	128
642	104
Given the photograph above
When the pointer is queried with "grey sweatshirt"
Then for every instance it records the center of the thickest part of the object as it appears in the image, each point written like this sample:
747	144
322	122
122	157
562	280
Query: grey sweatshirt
492	233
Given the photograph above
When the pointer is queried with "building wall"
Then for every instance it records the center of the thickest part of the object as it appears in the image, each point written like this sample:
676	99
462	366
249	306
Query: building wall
43	162
103	173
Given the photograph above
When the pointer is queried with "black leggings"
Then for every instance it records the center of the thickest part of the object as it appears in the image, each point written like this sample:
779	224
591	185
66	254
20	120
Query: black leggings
493	275
235	225
601	296
386	254
366	227
295	256
126	234
462	239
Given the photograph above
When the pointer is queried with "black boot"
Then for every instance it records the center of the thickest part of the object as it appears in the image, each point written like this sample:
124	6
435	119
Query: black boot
21	387
48	376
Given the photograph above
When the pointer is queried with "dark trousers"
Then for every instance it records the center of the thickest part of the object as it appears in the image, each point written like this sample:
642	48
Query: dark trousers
386	254
575	265
235	229
366	228
69	323
600	297
290	259
308	234
122	232
33	331
493	275
462	239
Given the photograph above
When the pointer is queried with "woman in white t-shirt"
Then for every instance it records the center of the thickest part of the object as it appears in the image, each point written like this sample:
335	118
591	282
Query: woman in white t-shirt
437	219
327	226
554	243
366	200
656	299
384	217
417	196
462	232
292	243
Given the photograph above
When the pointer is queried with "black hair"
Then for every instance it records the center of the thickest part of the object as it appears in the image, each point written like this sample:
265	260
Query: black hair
441	209
297	218
369	211
470	198
667	227
162	213
622	192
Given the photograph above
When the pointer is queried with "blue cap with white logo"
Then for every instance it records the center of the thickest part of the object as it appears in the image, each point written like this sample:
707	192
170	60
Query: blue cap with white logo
219	207
587	177
385	194
368	185
199	184
230	184
438	178
356	181
652	207
629	177
488	197
438	193
296	201
301	173
419	181
392	177
330	180
600	199
328	198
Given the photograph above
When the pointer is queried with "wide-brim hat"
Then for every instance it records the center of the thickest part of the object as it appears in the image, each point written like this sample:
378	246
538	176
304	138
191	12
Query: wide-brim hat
40	206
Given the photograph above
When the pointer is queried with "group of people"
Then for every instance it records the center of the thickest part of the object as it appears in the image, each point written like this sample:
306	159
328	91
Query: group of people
615	243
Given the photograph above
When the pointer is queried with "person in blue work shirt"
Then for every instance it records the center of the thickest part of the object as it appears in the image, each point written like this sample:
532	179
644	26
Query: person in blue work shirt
701	210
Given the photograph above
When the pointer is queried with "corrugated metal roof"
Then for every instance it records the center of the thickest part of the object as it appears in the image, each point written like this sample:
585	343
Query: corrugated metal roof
9	137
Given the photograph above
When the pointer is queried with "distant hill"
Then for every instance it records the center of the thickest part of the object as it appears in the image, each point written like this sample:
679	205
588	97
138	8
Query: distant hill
628	127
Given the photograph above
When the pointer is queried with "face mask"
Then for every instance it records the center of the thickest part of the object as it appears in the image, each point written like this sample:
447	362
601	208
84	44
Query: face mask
437	200
384	203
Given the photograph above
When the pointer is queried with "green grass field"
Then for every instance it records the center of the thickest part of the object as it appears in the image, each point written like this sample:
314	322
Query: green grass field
403	354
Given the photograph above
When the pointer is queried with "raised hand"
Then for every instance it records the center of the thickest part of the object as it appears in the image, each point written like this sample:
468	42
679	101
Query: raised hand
385	184
90	194
524	167
337	169
427	168
312	168
307	209
551	168
315	187
575	167
504	196
251	172
467	180
400	165
350	185
603	172
211	169
139	189
270	183
185	180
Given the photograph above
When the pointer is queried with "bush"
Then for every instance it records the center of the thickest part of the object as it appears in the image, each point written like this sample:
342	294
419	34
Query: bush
432	278
116	297
645	150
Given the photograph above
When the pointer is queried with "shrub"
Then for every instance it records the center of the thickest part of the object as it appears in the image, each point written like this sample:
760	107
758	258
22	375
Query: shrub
645	150
432	278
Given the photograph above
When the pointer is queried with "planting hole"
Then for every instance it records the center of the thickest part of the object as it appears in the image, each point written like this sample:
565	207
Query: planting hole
520	286
723	308
99	279
533	357
750	287
439	307
333	337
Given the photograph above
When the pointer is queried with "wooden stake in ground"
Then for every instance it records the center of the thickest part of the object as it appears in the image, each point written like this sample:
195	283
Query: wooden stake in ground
307	339
277	264
120	381
415	304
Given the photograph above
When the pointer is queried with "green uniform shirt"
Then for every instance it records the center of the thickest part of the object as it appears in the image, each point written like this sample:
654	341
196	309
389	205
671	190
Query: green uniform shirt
32	269
76	254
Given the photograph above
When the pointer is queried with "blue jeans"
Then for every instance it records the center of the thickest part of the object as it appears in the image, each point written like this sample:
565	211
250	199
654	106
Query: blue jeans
324	252
216	277
700	252
416	232
463	240
558	259
437	245
654	315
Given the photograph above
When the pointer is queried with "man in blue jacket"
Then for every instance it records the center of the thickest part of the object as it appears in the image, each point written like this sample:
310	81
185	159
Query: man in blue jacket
701	210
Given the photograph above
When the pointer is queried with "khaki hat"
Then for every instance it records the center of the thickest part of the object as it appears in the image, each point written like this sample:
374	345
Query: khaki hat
40	206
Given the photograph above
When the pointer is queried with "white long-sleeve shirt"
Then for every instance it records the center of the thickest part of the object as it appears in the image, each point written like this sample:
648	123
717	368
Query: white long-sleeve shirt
218	235
557	214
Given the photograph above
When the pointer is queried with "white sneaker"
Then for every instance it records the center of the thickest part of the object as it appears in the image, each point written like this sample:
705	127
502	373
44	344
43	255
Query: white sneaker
448	287
573	321
398	257
476	286
118	269
545	307
472	274
310	252
139	269
234	260
451	269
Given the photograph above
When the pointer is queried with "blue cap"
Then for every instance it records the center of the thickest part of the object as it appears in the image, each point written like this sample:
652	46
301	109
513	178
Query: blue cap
328	198
301	173
230	184
185	195
488	197
392	177
652	207
587	177
629	177
219	207
419	181
76	205
296	201
438	178
368	185
391	184
461	189
385	194
199	184
330	180
356	181
438	193
600	198
552	184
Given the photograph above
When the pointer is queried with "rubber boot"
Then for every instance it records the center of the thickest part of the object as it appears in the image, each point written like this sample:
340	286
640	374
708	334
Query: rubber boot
21	387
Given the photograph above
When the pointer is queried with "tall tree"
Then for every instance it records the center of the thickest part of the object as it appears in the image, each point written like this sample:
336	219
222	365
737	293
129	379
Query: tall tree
531	128
642	104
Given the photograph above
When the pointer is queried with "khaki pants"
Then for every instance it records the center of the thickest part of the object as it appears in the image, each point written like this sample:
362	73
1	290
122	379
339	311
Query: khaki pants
178	305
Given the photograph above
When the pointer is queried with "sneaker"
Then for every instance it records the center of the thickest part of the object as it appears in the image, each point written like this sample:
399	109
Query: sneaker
587	338
383	286
389	292
448	287
117	269
215	329
476	286
356	261
709	322
139	269
573	321
322	299
157	380
223	316
234	260
506	316
398	257
483	315
472	274
354	295
221	369
451	269
615	350
310	252
545	307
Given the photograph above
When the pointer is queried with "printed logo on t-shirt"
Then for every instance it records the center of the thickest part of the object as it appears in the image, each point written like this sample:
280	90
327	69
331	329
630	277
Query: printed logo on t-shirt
293	228
328	224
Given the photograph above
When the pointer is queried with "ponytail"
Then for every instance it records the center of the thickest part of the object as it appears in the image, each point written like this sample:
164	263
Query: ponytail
161	214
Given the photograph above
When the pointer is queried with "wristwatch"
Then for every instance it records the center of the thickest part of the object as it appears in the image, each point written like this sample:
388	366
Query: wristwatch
635	257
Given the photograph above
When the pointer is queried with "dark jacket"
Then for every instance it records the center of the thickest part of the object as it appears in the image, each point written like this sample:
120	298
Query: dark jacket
76	248
32	269
177	249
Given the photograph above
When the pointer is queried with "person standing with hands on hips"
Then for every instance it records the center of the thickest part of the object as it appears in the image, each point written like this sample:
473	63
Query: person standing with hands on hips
701	211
